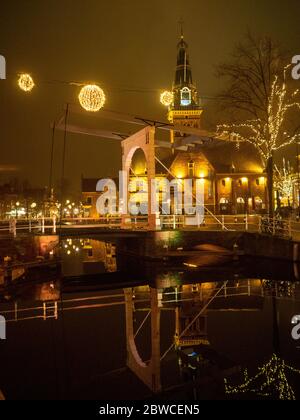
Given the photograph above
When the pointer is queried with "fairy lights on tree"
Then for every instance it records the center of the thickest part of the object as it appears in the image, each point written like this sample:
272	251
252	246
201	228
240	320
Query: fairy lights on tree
260	103
268	134
270	381
284	182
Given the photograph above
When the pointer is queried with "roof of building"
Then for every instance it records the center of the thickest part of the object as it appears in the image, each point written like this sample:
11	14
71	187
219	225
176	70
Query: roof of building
224	158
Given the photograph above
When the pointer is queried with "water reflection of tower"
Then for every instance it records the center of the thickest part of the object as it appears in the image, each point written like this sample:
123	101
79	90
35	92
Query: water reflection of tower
189	333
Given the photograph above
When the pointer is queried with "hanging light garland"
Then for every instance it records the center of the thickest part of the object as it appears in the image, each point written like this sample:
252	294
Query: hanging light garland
91	98
166	98
26	82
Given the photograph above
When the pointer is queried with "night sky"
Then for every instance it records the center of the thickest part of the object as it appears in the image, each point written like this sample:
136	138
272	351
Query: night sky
121	45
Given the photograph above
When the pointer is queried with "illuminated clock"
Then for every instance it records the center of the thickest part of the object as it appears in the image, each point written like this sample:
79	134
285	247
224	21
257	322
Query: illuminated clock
185	96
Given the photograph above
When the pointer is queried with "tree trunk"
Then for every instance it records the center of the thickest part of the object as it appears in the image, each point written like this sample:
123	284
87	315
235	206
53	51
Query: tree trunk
270	186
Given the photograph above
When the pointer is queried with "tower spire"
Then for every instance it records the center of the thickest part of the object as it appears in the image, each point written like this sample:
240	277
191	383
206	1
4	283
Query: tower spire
181	23
185	109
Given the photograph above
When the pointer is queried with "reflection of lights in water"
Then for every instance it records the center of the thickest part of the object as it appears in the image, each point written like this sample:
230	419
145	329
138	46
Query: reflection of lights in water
96	251
274	381
282	289
190	265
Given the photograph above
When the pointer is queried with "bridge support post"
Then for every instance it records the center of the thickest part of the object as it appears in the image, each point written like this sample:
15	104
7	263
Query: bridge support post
54	225
144	140
14	227
290	228
223	222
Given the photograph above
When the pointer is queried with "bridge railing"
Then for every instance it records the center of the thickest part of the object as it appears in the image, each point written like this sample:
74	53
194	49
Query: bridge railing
223	222
48	309
287	228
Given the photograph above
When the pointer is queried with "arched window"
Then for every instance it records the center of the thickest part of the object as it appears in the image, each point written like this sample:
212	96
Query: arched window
186	96
240	200
258	204
224	201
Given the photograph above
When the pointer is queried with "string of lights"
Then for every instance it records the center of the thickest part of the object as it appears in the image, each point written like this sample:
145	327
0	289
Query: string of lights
274	377
91	96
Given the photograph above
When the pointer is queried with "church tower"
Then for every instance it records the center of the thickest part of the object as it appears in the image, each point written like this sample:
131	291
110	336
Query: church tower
185	109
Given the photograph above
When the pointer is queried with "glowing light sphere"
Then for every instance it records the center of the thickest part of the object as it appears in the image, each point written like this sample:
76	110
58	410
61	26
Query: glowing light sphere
166	98
26	82
91	98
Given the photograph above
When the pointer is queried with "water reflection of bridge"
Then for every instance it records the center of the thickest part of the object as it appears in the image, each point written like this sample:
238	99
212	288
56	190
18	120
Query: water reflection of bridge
48	302
190	304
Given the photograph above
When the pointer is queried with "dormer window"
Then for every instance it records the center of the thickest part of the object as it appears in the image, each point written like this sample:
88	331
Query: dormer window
186	96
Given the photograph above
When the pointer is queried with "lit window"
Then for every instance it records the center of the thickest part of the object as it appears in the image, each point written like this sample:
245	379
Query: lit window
242	181
224	182
185	96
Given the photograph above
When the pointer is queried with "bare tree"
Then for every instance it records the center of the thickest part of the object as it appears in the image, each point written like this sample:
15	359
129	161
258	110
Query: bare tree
261	101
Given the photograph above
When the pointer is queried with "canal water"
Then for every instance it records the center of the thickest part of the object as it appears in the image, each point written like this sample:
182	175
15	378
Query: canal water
203	325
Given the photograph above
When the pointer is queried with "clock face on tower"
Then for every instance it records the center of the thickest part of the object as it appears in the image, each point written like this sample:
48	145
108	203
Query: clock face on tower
185	96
